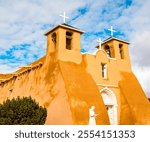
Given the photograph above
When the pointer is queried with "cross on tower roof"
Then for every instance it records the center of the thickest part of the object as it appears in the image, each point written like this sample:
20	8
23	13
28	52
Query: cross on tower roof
111	30
100	43
64	16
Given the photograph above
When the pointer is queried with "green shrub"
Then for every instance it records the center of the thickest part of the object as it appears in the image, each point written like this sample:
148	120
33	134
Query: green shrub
22	111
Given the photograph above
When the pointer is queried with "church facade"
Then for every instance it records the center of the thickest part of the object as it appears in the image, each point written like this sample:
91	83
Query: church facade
68	82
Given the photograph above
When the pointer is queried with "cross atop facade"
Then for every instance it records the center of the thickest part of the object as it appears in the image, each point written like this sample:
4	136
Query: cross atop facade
111	30
64	16
100	43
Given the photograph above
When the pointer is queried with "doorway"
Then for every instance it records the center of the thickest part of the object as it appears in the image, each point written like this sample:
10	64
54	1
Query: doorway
110	102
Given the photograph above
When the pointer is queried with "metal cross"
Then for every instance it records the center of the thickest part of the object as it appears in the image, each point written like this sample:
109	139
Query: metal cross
64	16
100	43
111	30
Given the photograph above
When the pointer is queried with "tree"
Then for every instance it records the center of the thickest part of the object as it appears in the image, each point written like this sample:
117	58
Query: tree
22	111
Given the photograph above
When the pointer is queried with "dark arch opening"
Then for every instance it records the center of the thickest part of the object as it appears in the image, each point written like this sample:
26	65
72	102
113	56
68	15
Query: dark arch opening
68	40
107	50
54	39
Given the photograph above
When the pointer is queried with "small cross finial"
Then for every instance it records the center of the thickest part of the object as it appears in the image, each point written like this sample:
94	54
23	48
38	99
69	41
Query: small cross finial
64	16
112	30
100	43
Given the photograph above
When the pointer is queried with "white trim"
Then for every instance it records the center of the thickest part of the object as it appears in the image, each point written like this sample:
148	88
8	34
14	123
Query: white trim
2	79
88	53
114	104
112	58
28	66
96	52
111	38
64	26
107	85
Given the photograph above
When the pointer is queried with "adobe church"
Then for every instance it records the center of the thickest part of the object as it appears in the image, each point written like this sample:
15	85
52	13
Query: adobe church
68	82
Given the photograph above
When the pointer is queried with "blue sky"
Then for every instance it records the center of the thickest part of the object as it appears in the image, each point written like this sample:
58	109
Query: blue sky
23	24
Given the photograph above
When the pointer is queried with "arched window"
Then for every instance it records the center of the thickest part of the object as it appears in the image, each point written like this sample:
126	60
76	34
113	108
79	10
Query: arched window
110	101
68	40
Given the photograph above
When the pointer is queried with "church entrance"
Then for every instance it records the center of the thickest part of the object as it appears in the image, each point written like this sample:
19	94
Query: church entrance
110	102
110	112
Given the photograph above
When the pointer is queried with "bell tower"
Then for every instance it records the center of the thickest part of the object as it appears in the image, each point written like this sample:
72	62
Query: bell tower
117	49
65	40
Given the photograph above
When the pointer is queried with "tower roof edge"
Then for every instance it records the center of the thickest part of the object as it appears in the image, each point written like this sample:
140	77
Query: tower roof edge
66	26
113	38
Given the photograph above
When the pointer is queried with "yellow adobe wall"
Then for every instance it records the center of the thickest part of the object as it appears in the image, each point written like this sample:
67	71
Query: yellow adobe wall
136	98
123	64
64	94
69	83
83	93
72	55
46	86
114	67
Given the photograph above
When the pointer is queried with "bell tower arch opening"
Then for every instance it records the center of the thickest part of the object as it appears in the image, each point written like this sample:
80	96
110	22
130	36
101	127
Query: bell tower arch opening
110	102
107	50
65	41
121	51
54	39
68	40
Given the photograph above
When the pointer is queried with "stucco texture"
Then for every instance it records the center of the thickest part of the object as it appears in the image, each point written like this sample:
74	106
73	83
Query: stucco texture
68	83
136	104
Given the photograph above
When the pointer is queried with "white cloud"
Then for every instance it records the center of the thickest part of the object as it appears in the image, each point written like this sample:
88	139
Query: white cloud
135	23
143	77
6	69
25	21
